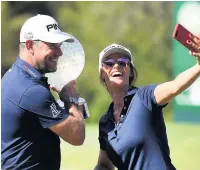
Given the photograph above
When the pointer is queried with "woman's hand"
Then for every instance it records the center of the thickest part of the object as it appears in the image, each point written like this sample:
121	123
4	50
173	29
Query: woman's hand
196	45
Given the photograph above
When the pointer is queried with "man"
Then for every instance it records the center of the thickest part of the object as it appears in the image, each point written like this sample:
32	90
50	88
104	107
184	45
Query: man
31	120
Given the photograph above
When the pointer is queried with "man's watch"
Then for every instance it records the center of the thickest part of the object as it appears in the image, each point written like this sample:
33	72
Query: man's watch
73	100
78	101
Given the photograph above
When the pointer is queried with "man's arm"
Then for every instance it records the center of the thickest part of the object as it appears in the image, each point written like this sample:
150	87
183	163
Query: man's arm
104	162
72	129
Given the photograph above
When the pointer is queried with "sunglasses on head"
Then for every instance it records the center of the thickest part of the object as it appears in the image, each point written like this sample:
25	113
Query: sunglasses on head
122	62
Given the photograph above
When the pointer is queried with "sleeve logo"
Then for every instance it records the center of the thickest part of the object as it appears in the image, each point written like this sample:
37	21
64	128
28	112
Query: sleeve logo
54	110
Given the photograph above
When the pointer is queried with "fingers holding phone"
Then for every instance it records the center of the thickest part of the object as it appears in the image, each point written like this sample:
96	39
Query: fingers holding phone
195	39
195	43
189	40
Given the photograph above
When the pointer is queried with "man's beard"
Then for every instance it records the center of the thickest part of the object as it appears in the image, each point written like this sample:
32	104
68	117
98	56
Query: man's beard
45	66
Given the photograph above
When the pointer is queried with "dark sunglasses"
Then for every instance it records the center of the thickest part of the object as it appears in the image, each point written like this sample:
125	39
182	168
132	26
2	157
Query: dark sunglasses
51	45
122	62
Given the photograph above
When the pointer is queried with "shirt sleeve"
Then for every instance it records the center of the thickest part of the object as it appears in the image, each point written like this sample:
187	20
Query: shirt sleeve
146	95
39	100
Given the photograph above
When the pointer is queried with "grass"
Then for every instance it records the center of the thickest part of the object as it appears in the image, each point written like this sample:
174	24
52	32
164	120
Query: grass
184	142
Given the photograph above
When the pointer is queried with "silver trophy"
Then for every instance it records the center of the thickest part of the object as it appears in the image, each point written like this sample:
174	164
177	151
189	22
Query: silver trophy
69	67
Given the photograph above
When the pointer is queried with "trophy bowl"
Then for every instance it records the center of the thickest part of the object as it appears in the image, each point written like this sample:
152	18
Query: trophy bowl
70	64
69	67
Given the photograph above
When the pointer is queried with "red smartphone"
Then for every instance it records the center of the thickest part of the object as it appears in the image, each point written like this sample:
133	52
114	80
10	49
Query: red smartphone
182	35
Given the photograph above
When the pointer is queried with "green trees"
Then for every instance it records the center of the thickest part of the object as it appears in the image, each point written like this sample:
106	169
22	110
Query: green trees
143	27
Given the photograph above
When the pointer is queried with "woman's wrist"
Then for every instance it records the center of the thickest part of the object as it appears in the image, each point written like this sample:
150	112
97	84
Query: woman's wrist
198	66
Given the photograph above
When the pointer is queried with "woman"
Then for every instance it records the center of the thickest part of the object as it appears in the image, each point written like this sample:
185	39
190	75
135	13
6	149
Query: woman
132	133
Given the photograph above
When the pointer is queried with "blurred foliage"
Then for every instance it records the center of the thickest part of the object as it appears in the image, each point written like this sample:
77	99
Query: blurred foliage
143	27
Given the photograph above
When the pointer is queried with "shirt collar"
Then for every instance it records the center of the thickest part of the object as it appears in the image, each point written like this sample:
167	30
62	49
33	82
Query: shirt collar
131	92
29	69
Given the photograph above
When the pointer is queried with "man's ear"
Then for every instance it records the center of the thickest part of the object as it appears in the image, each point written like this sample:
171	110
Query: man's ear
29	45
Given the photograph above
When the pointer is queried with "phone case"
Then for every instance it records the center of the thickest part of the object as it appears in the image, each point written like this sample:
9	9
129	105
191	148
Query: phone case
182	35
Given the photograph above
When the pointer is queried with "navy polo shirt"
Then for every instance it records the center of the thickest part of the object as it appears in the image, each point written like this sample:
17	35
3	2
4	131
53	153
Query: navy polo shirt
139	140
28	109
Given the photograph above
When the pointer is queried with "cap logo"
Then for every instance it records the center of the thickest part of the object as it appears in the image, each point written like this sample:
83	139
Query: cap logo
50	26
113	46
28	35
